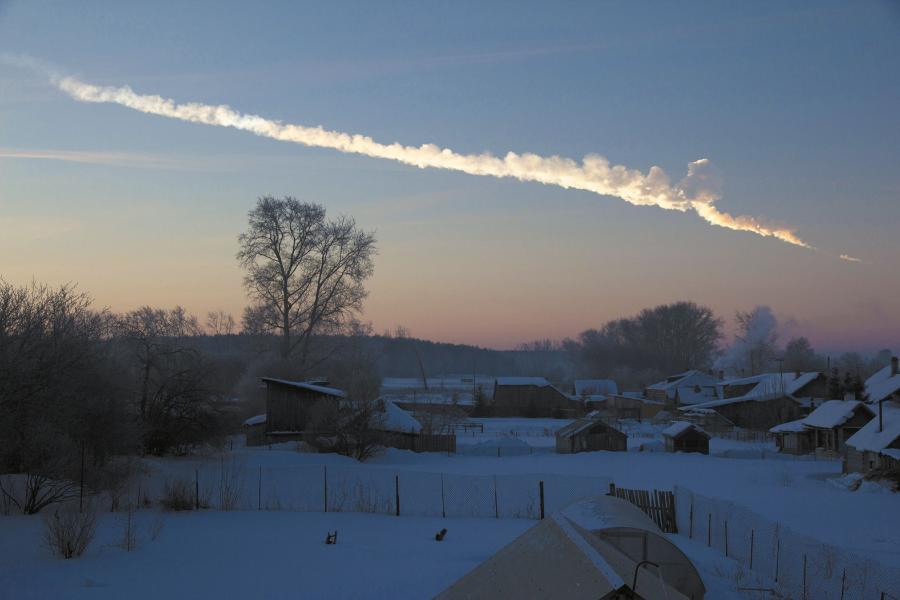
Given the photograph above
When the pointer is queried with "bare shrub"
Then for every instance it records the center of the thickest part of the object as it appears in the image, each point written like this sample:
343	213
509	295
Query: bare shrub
231	484
129	539
36	491
182	494
68	532
156	526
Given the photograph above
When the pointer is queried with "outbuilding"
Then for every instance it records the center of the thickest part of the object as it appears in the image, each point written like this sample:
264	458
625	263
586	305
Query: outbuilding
589	435
683	436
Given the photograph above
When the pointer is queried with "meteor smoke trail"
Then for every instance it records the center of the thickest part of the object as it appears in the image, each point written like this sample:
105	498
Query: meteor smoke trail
593	173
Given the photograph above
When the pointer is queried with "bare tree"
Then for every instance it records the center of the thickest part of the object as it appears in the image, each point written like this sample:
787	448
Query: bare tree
219	322
755	345
305	273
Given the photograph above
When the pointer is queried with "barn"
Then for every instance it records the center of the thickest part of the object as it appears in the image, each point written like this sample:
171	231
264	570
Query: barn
531	397
589	435
682	436
288	404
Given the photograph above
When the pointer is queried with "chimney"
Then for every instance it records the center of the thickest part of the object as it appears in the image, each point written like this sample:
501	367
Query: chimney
894	366
721	374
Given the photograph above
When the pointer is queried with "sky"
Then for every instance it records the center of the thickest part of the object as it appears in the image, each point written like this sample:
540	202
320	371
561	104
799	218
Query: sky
793	103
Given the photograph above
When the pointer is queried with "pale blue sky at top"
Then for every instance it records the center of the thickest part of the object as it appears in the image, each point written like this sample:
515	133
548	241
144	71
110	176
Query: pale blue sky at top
795	103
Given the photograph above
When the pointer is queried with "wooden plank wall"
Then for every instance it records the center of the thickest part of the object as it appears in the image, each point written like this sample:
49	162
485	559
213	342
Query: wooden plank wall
659	505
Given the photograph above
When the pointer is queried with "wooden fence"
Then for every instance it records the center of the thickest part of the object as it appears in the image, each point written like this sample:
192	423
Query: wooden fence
659	505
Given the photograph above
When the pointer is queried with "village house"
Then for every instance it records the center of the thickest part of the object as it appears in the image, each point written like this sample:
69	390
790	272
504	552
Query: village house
877	444
825	429
762	401
589	435
683	436
531	397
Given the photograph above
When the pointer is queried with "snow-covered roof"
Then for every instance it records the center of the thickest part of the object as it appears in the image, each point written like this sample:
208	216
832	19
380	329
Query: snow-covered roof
673	382
535	381
882	384
579	425
789	427
256	420
679	427
835	413
767	386
394	418
303	385
460	398
595	387
870	438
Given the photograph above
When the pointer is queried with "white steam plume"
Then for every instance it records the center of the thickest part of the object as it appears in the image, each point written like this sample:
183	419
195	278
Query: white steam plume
593	173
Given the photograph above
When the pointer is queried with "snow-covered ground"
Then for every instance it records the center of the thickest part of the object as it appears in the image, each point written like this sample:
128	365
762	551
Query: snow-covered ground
245	555
276	554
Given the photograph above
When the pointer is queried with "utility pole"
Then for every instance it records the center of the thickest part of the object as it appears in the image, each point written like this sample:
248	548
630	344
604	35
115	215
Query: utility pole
780	362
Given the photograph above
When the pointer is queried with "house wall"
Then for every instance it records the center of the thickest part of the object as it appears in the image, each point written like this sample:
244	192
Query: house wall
530	401
794	442
761	415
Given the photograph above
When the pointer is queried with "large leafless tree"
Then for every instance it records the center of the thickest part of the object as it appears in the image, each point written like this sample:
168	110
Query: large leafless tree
305	272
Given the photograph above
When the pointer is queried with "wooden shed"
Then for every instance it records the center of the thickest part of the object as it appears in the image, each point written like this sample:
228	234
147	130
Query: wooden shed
682	436
288	404
589	435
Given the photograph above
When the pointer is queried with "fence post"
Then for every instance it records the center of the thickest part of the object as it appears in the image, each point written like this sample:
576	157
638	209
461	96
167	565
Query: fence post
496	506
443	504
777	553
325	484
752	532
397	491
691	531
541	489
726	538
804	577
844	580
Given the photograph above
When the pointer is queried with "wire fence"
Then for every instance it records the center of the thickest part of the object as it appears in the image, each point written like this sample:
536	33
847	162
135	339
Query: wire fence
804	567
231	485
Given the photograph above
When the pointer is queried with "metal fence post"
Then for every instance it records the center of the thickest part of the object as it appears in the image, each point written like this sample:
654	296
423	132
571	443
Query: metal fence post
541	491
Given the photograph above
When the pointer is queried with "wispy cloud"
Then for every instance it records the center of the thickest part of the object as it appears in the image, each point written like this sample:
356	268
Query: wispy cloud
849	258
119	159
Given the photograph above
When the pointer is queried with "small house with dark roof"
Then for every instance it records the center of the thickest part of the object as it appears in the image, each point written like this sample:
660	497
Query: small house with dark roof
589	435
683	436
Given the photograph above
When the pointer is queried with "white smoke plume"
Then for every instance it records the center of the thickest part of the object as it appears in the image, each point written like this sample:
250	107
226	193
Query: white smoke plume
594	173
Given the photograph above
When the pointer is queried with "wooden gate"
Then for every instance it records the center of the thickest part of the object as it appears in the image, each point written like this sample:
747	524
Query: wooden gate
659	505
